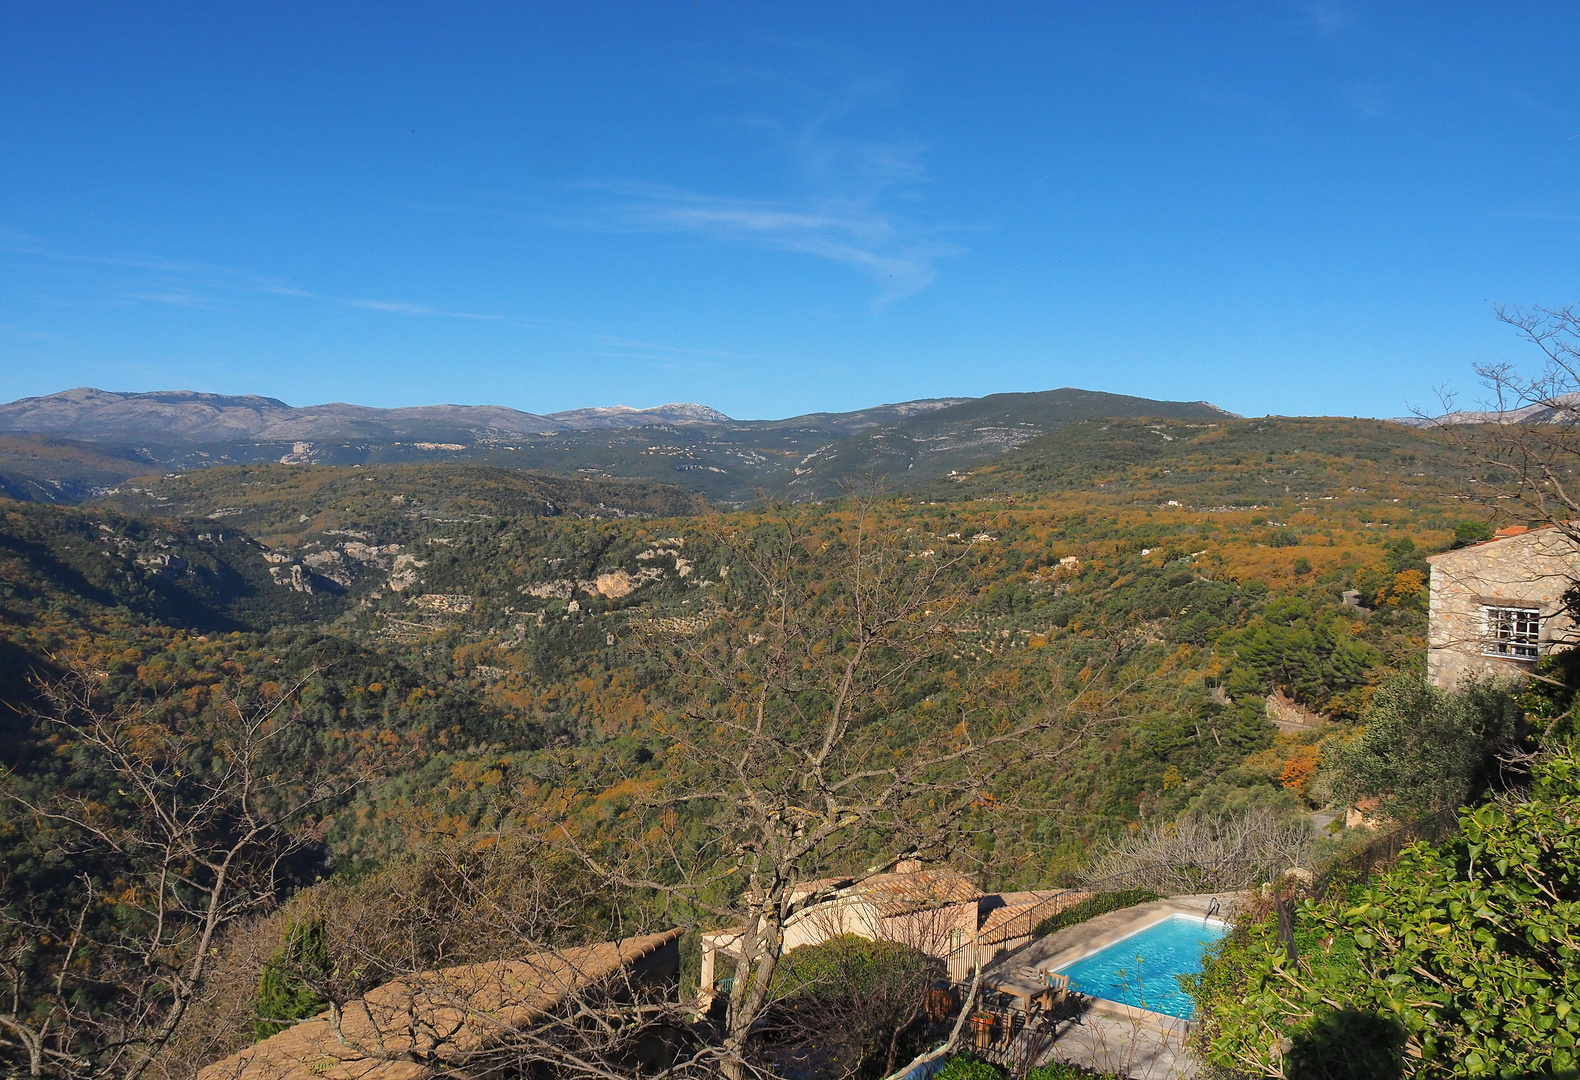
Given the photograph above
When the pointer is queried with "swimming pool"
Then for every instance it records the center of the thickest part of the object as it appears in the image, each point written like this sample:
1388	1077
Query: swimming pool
1140	969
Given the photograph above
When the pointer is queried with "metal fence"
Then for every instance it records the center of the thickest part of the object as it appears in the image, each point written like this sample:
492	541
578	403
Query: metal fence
1179	879
1384	851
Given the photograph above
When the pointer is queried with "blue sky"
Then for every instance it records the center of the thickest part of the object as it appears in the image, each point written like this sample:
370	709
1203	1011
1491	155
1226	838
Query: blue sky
1295	208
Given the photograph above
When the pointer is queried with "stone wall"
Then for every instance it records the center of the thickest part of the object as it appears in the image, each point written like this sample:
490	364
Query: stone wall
1530	569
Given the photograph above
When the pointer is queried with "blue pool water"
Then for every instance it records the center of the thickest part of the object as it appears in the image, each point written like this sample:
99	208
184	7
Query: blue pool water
1140	970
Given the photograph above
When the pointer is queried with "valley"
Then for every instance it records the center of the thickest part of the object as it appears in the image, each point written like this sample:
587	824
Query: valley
1142	618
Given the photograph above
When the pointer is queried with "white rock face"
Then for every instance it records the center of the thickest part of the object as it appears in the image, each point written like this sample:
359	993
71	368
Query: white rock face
372	554
292	577
161	562
404	573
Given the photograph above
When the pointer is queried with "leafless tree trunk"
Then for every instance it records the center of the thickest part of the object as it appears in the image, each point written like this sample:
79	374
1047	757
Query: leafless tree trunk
182	831
797	766
1525	442
967	1007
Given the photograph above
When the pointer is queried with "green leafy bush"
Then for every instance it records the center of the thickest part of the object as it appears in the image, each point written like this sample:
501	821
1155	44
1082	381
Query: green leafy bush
284	995
1471	532
1092	907
1426	749
850	1003
1062	1070
966	1067
849	963
1463	961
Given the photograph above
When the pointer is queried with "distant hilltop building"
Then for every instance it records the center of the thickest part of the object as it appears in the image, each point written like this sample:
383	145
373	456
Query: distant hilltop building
1497	607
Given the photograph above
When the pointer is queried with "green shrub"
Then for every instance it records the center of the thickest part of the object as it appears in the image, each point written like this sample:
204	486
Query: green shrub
1090	908
851	1003
1063	1070
1461	961
848	963
1471	532
284	996
1426	749
966	1067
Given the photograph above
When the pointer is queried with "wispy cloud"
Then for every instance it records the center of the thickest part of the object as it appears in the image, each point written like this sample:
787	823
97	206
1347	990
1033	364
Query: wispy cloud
13	330
899	257
396	307
192	285
176	299
860	197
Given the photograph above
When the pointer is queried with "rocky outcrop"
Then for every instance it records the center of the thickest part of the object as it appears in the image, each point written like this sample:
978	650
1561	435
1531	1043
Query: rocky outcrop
403	575
1289	715
293	577
611	586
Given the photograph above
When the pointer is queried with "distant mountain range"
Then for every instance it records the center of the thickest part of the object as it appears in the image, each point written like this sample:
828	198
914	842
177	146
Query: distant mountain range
66	446
1565	408
106	416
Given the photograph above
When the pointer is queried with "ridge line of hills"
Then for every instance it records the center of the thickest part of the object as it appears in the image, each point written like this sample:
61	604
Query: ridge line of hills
72	446
113	416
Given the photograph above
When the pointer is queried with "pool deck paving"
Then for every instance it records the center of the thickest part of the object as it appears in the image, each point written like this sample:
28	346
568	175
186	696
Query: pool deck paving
1108	1035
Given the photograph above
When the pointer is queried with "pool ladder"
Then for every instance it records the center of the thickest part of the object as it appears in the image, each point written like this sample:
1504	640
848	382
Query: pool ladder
1214	908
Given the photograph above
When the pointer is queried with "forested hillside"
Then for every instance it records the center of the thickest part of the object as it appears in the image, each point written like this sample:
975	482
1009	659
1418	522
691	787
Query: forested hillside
533	593
467	652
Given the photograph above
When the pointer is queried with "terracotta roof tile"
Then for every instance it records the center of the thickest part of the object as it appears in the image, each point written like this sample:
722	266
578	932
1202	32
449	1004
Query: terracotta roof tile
452	1011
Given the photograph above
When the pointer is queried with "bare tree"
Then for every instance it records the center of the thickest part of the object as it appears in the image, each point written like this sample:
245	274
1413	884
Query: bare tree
1197	853
798	765
482	954
177	826
1525	442
496	926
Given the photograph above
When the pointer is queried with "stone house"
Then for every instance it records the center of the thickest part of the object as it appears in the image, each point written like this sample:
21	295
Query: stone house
1497	607
937	911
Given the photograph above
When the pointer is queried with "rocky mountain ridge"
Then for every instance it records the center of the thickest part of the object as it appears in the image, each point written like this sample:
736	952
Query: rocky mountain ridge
1561	409
83	443
186	415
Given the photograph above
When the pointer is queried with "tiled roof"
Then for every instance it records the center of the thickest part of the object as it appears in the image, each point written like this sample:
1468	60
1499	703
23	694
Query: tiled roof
453	1011
896	894
1508	532
1023	911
